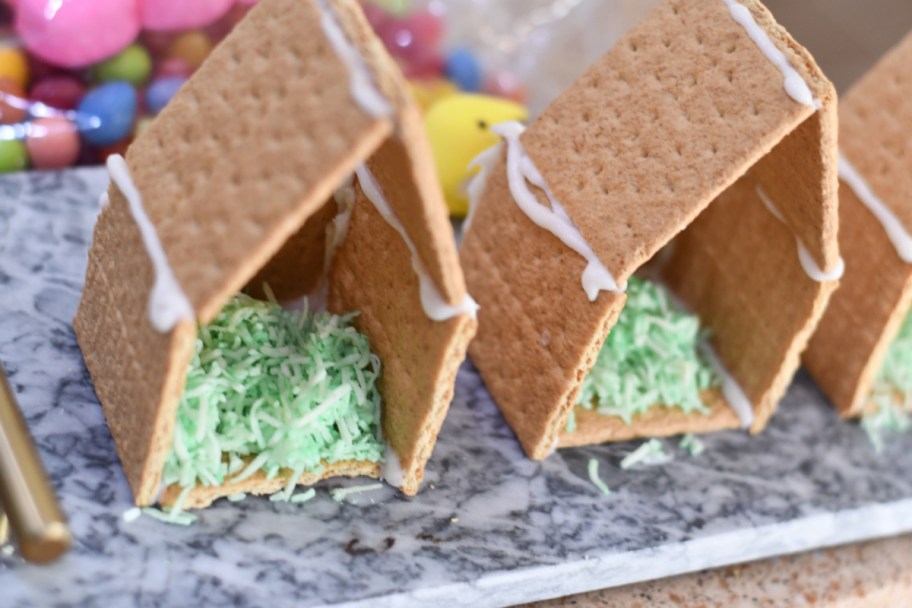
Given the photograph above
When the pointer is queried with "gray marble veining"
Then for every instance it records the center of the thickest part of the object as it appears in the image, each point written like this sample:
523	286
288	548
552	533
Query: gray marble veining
489	528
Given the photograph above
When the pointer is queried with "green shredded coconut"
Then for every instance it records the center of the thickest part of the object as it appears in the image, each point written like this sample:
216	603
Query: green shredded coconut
650	357
650	453
270	389
692	444
891	394
595	479
340	494
304	496
170	516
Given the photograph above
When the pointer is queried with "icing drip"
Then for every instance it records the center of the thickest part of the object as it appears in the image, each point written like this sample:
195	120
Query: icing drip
391	471
436	308
804	256
363	90
521	169
731	390
485	162
896	232
795	85
168	304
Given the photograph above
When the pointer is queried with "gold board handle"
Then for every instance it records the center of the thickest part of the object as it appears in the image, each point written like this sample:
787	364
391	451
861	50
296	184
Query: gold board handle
26	497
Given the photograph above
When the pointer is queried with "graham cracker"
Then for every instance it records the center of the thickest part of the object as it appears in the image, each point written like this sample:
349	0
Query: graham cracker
876	291
236	174
653	133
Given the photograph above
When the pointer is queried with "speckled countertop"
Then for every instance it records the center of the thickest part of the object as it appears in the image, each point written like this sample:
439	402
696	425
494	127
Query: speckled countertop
489	528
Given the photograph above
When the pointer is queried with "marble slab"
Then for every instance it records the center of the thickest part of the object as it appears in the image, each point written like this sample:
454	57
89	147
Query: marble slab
489	528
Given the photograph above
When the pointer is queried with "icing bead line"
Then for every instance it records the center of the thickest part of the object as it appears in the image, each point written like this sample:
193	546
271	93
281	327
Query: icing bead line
896	232
796	87
361	81
436	308
520	170
804	256
168	304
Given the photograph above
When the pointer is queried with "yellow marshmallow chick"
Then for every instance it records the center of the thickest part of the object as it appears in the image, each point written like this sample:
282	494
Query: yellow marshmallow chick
459	127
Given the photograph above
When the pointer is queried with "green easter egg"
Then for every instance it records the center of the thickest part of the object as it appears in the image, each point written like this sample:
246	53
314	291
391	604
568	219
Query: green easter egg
13	156
132	64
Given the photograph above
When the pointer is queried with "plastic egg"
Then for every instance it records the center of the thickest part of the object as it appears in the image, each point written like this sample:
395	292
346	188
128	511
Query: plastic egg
13	104
61	92
506	85
175	15
463	68
173	68
14	66
160	93
192	47
52	143
459	128
107	112
13	155
75	34
132	65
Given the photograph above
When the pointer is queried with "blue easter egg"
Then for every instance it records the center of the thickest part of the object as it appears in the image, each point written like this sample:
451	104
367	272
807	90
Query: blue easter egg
106	113
161	91
463	68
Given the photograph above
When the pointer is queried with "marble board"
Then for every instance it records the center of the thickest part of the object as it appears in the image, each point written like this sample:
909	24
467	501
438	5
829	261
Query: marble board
489	528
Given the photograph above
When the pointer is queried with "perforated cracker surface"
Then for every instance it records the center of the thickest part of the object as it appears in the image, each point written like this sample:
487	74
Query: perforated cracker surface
658	127
865	314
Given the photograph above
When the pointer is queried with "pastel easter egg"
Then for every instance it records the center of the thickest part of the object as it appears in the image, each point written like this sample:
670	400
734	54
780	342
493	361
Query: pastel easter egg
52	143
62	92
13	104
132	65
428	65
160	93
221	27
107	112
13	155
376	16
192	47
463	68
459	128
14	66
394	7
175	15
75	34
506	85
174	67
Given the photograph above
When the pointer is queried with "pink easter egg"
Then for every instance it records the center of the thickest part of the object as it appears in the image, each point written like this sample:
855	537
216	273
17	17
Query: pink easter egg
506	85
173	67
171	15
52	143
76	34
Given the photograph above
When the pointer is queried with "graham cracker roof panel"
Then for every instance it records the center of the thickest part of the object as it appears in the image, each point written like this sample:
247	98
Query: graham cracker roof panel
372	274
413	189
659	126
250	146
874	120
865	314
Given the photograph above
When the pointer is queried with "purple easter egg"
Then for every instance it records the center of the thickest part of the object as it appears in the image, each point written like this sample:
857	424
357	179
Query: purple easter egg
76	34
173	15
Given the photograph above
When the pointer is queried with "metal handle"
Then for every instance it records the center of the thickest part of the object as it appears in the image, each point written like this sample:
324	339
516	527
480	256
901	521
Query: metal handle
26	496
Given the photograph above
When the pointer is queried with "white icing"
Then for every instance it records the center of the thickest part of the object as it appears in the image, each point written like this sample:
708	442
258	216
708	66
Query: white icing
337	230
391	470
363	90
104	200
896	232
436	308
804	256
168	304
555	220
795	85
731	390
485	162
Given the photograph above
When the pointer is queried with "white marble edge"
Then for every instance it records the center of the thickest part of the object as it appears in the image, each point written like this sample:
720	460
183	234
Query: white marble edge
596	572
